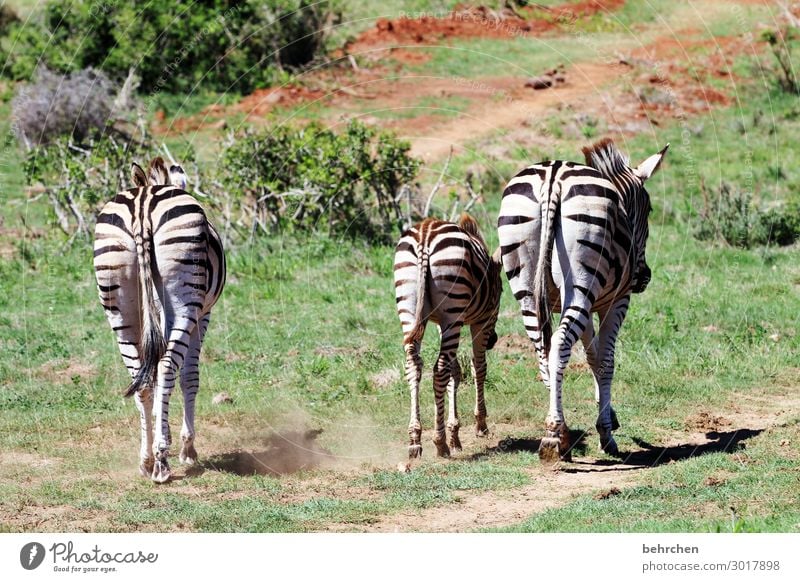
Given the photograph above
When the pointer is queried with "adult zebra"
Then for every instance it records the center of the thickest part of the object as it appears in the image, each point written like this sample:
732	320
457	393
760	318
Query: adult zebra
573	240
160	268
443	273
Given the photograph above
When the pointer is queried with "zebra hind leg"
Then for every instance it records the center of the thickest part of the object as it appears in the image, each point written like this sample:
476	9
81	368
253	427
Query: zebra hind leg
413	376
190	384
607	422
453	423
556	443
144	403
442	372
599	371
479	340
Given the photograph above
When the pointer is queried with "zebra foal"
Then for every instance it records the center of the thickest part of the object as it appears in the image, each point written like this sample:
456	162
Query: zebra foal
573	240
160	268
443	273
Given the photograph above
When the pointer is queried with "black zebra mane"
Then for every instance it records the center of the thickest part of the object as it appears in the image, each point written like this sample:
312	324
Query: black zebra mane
604	157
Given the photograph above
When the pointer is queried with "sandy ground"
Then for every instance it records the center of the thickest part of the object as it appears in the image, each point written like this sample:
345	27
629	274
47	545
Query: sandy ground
553	487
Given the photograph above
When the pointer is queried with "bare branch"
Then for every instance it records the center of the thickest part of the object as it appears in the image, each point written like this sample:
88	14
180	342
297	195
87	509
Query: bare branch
438	184
61	215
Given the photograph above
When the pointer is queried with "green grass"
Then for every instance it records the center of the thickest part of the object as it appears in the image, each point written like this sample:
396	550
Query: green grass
306	337
305	325
754	489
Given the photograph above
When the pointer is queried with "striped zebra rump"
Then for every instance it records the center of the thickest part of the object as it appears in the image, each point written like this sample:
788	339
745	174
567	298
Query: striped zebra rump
160	268
573	240
443	273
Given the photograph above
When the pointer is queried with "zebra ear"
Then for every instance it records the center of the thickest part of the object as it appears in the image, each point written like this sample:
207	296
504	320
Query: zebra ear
649	167
177	177
138	176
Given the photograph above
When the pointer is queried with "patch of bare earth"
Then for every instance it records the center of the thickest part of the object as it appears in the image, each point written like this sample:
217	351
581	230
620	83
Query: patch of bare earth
63	372
621	95
474	22
553	487
54	518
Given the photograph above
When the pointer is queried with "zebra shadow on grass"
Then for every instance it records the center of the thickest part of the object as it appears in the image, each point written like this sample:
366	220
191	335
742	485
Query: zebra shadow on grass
648	455
284	453
716	442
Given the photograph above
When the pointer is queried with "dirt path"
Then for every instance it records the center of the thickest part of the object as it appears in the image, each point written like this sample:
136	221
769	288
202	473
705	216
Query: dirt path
630	97
516	106
551	488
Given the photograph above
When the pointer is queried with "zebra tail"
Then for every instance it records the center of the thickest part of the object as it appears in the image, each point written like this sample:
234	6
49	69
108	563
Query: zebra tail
152	345
422	290
541	296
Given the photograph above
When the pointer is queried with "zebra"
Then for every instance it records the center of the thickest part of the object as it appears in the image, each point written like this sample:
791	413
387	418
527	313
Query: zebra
443	273
160	268
573	240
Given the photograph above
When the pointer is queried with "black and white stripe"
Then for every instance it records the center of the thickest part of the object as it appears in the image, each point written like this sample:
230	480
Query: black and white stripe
160	268
443	273
573	240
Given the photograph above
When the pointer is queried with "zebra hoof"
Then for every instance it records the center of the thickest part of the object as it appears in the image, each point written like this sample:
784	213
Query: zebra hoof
442	450
609	447
146	467
161	472
455	443
548	451
188	455
614	421
414	451
555	444
481	430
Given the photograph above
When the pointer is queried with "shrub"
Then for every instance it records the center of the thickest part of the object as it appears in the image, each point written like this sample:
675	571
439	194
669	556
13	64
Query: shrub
56	105
314	178
782	42
779	226
737	220
79	178
289	179
218	44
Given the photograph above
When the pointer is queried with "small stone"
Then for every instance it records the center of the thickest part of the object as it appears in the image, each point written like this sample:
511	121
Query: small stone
538	83
222	398
274	97
404	467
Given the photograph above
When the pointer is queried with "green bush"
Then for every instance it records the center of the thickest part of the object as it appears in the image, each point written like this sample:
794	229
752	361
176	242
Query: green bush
287	179
79	178
782	42
174	46
737	220
314	178
779	226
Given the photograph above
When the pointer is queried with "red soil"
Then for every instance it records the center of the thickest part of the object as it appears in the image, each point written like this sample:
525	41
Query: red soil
463	22
472	22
